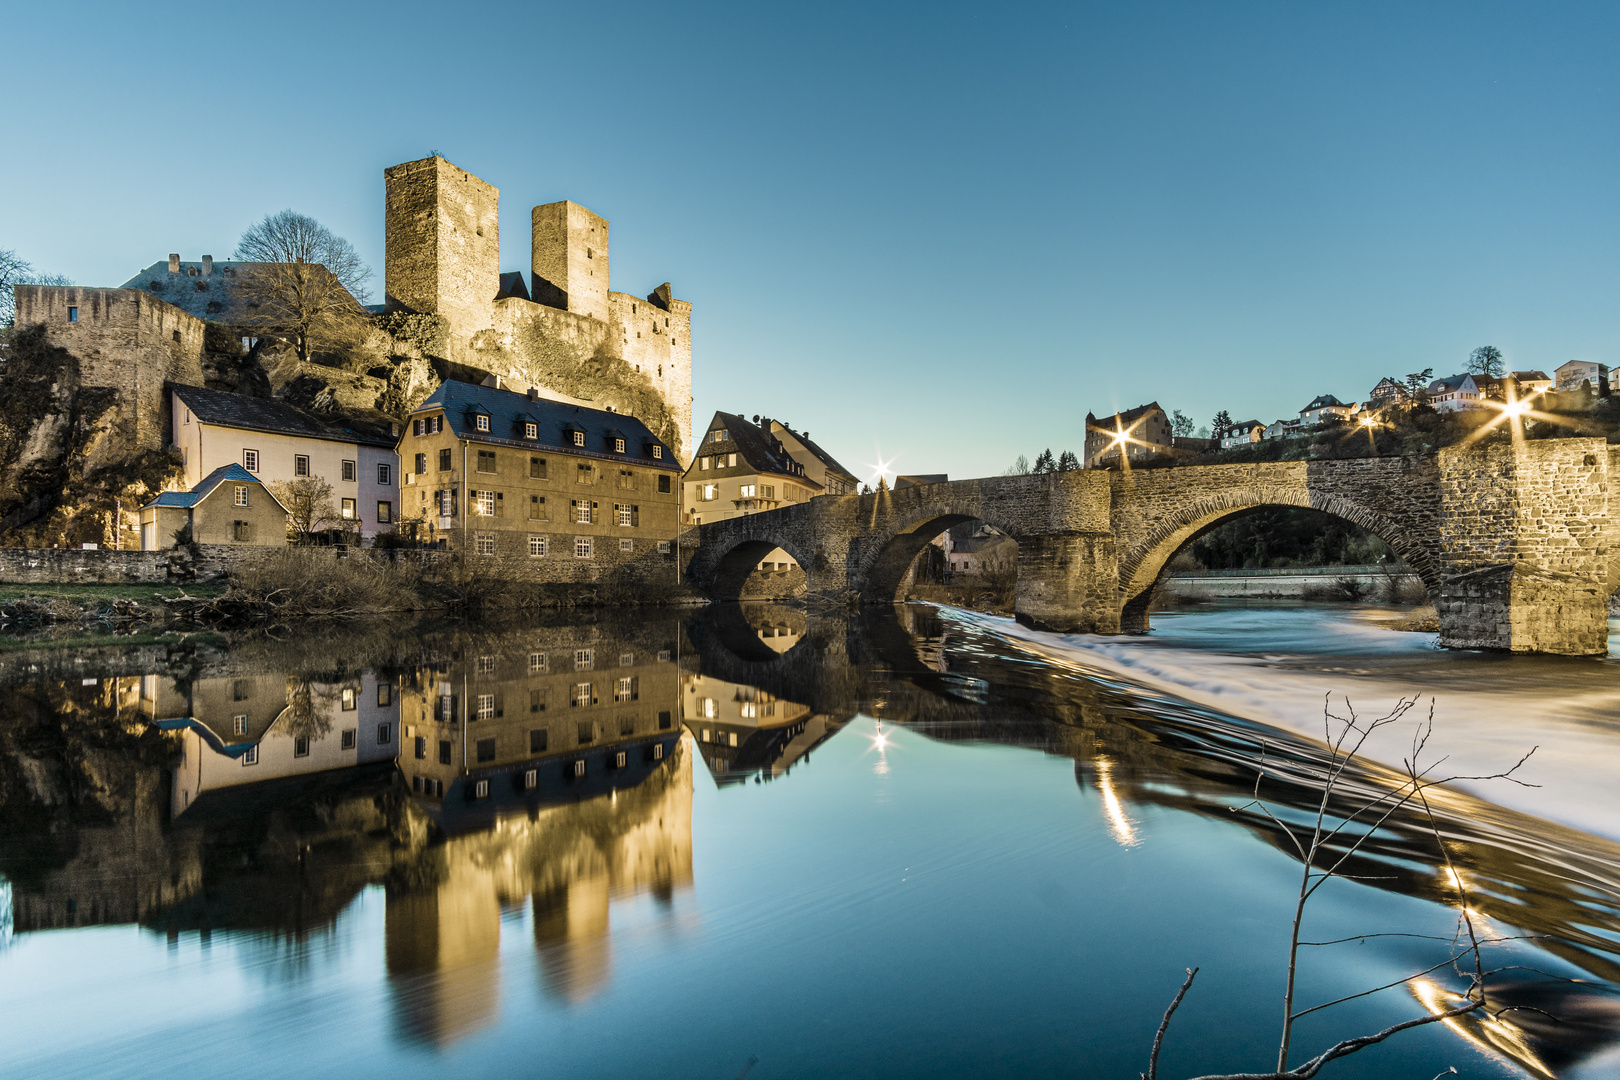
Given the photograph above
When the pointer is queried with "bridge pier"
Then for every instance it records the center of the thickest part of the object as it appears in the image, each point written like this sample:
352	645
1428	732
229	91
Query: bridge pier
1068	582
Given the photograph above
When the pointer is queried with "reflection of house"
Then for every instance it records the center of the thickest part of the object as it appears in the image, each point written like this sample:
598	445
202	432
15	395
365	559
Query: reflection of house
572	861
819	465
1145	431
1581	373
277	442
744	730
263	727
228	506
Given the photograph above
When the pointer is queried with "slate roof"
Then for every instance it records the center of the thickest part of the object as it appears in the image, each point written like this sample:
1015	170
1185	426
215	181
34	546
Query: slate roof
231	473
1529	376
760	451
1325	401
1450	382
508	411
1245	425
258	414
821	455
1129	415
212	297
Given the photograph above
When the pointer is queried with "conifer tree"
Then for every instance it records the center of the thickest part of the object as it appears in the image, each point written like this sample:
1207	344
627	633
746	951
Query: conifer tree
1044	463
1067	461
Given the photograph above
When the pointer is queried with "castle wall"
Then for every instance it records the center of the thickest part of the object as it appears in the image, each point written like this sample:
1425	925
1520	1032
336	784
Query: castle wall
569	258
443	243
126	340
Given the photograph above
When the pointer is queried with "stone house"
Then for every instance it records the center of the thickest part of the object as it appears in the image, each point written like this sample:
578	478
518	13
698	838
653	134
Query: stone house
1242	434
1149	434
819	465
969	548
554	491
1324	409
277	442
229	506
1580	373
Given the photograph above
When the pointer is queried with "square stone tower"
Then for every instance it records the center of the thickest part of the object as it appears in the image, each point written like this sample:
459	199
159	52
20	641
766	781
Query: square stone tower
443	243
570	259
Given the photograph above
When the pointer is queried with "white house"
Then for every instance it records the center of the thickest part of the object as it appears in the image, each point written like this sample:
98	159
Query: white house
1242	434
1454	393
1578	373
1325	408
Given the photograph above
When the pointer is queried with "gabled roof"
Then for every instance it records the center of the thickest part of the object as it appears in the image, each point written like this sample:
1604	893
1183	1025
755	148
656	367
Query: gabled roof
1450	382
1245	425
508	411
820	455
232	473
760	451
258	414
1581	363
1529	376
1325	401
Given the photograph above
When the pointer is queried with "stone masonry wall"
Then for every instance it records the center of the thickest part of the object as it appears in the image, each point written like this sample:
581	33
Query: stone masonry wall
443	253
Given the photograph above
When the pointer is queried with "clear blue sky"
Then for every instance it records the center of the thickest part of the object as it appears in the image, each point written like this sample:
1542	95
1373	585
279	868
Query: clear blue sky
946	231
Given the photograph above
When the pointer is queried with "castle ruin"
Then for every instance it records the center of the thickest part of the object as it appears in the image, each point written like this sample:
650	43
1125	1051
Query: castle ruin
565	330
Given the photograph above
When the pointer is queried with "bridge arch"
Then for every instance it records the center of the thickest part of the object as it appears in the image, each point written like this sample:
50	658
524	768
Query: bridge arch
728	570
1143	562
884	568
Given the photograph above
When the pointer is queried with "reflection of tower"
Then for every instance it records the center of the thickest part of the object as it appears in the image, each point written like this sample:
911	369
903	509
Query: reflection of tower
443	957
571	935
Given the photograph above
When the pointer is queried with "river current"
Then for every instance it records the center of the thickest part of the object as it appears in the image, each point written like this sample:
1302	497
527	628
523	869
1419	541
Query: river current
755	841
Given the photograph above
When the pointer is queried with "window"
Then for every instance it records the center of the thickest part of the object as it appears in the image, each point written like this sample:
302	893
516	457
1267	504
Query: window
481	788
618	446
385	512
486	461
250	460
250	756
537	741
444	751
537	699
627	545
579	438
627	659
242	531
385	694
537	547
348	471
348	697
416	428
447	504
486	707
300	464
421	463
731	459
348	509
537	468
582	547
484	543
621	513
584	659
537	508
445	461
241	690
584	512
585	474
531	779
663	484
625	689
481	422
579	768
703	463
627	479
485	665
301	746
748	491
587	733
385	732
663	547
385	474
658	451
484	503
537	662
241	495
709	492
239	724
73	314
350	739
421	747
582	694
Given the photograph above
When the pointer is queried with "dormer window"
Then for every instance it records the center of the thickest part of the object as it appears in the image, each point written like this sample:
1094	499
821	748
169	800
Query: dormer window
481	422
658	451
579	438
618	446
531	431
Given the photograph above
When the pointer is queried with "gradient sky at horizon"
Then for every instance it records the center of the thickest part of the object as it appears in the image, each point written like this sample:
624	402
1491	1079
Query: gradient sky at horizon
941	233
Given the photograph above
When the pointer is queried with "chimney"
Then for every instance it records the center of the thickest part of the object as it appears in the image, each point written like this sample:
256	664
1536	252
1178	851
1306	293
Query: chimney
534	393
208	265
174	263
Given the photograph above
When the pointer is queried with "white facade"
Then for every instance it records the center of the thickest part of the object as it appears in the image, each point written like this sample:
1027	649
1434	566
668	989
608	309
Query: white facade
1577	373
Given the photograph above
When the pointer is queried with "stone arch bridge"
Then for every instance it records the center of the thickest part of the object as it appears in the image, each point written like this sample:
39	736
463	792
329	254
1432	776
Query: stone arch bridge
1515	543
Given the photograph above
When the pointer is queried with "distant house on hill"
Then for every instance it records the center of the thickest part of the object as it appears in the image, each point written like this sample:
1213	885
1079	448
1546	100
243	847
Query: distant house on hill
1144	431
1581	373
229	506
1242	434
1325	408
1388	392
208	289
1454	393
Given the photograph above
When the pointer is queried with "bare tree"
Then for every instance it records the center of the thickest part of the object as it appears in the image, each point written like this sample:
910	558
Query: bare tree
1181	425
1486	360
1325	849
308	500
1019	467
304	280
14	271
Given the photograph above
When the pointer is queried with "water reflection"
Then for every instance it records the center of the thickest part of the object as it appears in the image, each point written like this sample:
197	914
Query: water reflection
496	785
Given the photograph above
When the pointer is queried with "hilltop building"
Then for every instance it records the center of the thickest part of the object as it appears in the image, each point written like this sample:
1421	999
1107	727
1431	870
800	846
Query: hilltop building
567	330
1581	373
1242	433
1324	409
1149	430
550	490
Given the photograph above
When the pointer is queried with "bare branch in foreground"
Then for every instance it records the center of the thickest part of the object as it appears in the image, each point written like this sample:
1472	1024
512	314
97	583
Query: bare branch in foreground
1164	1023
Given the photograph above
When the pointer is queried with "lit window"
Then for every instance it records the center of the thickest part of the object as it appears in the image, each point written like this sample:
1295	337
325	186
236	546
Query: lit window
348	471
658	451
624	689
486	706
484	543
481	422
348	697
348	509
748	491
300	464
582	547
618	446
250	460
484	503
711	491
579	438
703	463
584	659
537	546
582	694
708	708
241	495
531	431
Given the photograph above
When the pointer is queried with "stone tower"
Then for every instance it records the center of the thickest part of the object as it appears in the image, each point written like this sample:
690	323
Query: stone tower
570	259
443	242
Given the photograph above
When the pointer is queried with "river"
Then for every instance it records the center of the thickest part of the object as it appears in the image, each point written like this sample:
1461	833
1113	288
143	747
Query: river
755	841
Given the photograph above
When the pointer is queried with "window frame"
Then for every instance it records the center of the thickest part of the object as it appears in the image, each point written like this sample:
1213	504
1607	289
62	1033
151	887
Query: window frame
250	460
